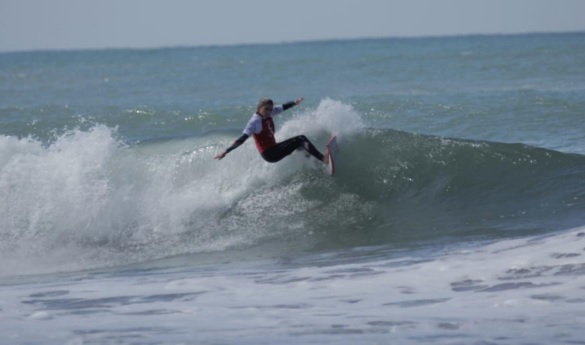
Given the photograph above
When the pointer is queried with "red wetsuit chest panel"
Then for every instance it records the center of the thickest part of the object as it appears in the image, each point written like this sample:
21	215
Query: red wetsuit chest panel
265	139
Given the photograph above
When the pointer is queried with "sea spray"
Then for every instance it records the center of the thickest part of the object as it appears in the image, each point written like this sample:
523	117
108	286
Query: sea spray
90	196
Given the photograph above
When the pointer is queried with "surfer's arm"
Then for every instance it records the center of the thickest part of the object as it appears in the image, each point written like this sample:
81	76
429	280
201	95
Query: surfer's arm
235	144
291	104
287	105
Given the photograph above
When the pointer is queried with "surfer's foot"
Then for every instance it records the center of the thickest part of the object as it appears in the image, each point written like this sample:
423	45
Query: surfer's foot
326	158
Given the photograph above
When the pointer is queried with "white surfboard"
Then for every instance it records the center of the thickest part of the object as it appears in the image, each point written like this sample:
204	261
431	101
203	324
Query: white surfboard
332	153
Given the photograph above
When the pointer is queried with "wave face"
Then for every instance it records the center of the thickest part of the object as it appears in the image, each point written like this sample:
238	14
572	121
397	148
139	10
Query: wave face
89	200
430	186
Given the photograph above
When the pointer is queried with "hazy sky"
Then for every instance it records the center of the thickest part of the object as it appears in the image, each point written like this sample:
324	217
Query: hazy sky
67	24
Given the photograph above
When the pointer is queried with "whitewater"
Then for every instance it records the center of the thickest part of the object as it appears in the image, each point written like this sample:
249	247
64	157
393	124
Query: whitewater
456	216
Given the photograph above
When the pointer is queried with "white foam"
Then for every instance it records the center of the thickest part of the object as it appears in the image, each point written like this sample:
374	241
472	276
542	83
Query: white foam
89	196
41	315
330	117
528	289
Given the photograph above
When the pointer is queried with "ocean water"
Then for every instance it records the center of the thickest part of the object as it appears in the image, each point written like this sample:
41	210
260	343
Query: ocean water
457	214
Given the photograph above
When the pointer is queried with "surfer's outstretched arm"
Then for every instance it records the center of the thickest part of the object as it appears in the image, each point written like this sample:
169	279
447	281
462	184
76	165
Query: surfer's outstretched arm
236	143
291	104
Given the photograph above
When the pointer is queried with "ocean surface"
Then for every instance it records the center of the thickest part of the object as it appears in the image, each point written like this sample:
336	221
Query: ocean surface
457	214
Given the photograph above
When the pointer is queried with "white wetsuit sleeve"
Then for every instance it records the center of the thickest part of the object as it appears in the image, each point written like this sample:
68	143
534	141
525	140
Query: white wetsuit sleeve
254	125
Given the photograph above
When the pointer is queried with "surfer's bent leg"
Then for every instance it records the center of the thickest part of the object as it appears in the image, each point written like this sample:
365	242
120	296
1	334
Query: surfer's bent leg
285	148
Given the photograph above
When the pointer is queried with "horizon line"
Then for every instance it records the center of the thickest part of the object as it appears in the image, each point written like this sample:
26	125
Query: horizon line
288	42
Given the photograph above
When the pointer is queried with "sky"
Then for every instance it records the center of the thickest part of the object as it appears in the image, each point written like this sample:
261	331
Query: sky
96	24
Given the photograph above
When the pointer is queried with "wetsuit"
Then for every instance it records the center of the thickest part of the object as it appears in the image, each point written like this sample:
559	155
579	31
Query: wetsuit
262	129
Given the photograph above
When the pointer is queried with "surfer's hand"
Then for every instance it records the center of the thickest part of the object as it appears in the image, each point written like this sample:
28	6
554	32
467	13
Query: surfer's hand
221	155
299	100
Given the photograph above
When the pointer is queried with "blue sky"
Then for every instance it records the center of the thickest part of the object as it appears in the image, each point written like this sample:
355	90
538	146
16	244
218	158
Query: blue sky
81	24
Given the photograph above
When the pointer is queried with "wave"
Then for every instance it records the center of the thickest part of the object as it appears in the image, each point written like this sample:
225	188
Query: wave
89	200
445	186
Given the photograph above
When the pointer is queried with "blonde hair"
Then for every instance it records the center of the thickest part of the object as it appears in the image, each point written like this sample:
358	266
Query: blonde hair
264	102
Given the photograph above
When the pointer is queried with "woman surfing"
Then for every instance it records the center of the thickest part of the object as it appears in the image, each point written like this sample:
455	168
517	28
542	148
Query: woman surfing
261	127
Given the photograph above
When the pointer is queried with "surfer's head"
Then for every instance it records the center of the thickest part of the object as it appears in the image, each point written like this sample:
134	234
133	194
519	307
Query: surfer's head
265	103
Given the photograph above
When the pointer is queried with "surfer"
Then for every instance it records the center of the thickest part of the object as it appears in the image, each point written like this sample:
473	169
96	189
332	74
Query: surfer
261	127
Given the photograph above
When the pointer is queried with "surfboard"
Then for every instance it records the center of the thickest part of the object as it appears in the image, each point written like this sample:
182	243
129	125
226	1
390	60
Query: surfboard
332	153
